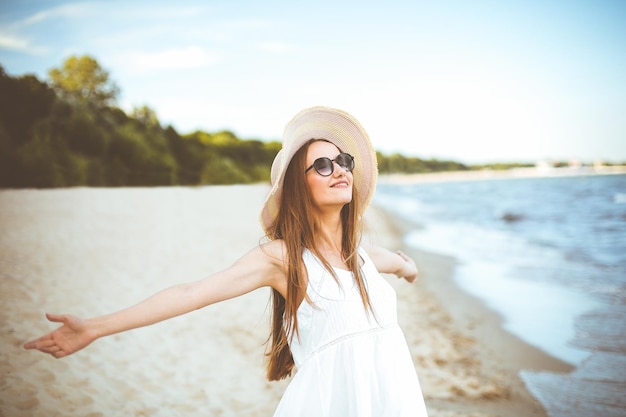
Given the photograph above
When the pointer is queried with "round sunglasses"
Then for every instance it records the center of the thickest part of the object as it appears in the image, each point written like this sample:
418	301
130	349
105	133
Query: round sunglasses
325	166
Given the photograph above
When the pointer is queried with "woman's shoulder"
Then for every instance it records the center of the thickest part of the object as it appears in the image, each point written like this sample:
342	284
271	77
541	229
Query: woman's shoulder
275	250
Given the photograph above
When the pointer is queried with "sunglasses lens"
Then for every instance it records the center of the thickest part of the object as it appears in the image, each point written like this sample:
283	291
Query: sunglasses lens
346	161
323	166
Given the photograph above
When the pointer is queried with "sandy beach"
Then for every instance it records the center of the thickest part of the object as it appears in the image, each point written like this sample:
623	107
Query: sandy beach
91	251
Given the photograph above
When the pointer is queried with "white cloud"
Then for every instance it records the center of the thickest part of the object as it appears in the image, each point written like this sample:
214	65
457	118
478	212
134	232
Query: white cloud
17	43
12	34
13	42
64	11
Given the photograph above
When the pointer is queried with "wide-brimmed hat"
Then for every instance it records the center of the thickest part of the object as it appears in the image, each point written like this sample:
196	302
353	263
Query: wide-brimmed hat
337	127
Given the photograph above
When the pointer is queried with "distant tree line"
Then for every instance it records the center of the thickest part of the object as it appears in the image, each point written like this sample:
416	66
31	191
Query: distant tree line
68	131
399	164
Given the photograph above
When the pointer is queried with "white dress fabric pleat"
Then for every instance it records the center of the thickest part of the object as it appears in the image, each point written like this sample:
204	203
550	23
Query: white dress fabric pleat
349	362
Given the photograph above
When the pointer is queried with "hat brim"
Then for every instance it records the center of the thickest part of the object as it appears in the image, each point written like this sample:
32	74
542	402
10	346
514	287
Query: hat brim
337	127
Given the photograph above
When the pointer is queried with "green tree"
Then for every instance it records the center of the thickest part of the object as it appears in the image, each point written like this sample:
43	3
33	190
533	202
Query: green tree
146	116
24	101
190	155
83	80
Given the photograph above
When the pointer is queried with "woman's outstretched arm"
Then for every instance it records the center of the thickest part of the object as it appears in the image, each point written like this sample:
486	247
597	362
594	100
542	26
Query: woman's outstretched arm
397	263
260	267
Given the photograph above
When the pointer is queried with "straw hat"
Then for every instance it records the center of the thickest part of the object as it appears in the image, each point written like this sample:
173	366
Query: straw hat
337	127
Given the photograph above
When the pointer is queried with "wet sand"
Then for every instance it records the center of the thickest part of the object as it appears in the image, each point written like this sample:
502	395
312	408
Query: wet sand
91	251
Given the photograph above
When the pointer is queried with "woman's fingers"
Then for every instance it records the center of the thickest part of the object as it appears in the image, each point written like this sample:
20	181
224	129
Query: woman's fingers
60	354
39	342
57	318
412	272
45	345
46	342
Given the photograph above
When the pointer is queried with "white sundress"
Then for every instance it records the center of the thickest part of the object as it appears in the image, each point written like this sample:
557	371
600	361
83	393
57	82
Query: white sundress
350	364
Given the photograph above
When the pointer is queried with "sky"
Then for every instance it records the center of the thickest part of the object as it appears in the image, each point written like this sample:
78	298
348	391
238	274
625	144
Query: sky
472	81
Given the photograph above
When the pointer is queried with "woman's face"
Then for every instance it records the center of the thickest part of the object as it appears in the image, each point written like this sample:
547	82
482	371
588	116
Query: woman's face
333	191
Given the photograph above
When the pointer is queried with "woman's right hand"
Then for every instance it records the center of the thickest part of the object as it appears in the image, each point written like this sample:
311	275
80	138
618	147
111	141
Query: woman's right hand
71	337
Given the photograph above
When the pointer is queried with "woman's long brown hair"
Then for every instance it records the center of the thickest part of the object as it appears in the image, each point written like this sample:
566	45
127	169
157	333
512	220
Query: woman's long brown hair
297	228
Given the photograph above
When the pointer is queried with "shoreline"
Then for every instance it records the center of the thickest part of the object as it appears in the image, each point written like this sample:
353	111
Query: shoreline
491	174
493	357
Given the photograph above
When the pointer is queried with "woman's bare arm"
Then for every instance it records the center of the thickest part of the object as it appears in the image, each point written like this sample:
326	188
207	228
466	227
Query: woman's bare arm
260	267
396	263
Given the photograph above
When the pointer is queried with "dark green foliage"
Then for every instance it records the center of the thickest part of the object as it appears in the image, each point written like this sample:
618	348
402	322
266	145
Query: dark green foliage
23	101
396	163
499	166
232	160
52	139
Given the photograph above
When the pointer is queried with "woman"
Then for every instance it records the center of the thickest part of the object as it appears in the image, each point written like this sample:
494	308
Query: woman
334	316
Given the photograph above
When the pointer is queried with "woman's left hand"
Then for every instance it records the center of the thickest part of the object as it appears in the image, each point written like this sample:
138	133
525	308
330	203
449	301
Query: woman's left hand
409	269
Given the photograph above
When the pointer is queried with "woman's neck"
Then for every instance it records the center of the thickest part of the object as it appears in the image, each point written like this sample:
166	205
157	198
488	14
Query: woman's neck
329	235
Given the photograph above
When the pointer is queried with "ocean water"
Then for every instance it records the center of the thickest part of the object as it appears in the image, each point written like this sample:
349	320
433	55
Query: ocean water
548	254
